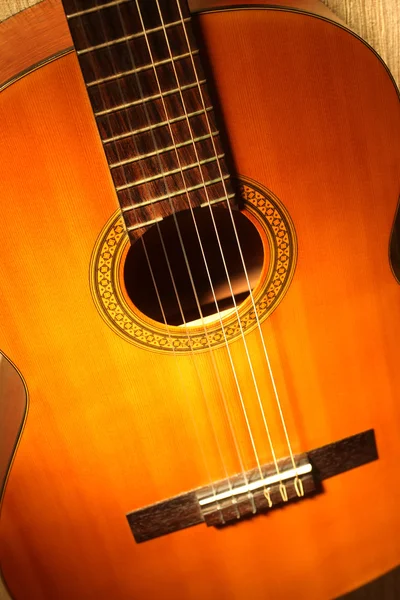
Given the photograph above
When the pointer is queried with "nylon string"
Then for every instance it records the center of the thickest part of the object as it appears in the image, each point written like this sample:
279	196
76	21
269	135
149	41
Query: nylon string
178	300
298	482
205	462
282	485
201	246
216	370
197	232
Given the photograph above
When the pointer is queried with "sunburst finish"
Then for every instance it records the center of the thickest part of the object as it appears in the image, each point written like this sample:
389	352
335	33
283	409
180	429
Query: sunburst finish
113	427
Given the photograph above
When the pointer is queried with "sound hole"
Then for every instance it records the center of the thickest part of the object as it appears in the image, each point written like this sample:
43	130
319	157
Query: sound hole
192	285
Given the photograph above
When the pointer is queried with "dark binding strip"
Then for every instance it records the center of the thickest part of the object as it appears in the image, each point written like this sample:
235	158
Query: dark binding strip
184	510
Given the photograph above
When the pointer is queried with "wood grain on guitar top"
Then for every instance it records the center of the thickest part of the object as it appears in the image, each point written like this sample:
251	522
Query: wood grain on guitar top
43	31
107	431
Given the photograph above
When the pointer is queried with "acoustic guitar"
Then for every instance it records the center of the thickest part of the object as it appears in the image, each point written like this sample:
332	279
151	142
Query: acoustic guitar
200	293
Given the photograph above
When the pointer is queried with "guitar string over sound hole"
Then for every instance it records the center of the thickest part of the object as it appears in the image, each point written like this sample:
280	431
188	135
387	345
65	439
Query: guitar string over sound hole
188	293
279	246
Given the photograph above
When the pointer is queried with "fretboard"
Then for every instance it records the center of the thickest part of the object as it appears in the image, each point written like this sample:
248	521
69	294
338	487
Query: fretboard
147	88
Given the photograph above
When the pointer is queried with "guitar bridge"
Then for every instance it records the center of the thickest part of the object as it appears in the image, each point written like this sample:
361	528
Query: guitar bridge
258	490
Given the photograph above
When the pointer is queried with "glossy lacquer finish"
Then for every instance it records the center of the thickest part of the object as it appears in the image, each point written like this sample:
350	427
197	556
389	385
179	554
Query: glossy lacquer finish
312	114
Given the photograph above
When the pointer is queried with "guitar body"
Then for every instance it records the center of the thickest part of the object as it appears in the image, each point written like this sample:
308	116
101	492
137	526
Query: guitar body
312	115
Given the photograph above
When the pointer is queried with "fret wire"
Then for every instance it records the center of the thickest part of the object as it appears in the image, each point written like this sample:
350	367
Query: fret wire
147	99
95	8
107	47
212	202
174	120
173	171
118	76
126	134
126	38
165	61
146	224
169	196
160	150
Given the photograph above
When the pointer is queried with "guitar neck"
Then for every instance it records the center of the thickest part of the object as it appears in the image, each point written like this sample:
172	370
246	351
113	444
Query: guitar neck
142	70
